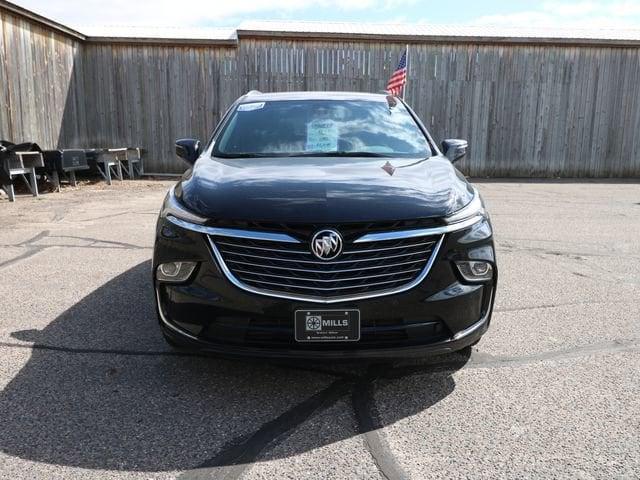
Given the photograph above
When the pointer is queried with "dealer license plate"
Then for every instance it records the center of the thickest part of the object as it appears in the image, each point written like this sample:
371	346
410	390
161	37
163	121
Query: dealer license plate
327	325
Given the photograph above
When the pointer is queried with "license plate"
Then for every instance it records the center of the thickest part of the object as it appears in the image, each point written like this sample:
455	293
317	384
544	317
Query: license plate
327	325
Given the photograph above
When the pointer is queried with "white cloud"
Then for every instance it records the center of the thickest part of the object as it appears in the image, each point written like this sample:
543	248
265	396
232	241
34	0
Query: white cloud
571	8
161	13
623	9
572	14
184	13
189	13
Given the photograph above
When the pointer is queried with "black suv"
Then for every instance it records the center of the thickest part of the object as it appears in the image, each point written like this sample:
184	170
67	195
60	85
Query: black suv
323	225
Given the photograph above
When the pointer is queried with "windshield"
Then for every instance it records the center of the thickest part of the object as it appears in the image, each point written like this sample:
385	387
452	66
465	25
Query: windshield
322	128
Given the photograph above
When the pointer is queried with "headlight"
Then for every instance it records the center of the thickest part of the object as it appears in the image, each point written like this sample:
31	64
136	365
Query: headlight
474	208
478	231
173	207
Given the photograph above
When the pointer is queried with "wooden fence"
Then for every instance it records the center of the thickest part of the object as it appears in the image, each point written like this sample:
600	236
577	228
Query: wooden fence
37	66
528	110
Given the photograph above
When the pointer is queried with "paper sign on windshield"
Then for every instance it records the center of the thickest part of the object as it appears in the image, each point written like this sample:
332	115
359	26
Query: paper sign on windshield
248	107
322	136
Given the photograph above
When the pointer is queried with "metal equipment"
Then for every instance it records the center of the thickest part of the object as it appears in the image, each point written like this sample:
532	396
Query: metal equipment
62	162
15	162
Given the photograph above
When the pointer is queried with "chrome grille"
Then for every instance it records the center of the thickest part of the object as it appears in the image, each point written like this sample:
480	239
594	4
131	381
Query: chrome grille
290	270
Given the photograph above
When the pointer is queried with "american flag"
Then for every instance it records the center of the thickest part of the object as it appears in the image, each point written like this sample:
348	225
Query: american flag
399	77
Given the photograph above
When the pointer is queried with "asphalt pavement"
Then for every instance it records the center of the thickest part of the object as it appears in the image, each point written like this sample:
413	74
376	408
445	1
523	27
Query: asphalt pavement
89	389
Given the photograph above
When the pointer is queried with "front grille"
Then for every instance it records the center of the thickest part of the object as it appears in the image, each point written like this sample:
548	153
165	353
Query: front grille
291	270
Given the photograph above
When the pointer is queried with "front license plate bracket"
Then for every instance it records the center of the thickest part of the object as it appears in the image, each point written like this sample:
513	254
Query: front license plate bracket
338	325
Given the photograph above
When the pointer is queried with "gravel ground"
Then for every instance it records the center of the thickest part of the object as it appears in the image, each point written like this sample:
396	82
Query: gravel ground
90	390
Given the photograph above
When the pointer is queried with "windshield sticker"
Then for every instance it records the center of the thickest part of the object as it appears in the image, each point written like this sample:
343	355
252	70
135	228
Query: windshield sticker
322	136
248	107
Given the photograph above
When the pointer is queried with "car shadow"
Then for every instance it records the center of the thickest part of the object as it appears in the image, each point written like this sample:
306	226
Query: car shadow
101	390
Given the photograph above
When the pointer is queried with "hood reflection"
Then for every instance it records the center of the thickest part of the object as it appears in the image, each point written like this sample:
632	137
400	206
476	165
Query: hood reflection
324	189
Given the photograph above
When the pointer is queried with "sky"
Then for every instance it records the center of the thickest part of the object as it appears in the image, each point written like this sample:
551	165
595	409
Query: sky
229	13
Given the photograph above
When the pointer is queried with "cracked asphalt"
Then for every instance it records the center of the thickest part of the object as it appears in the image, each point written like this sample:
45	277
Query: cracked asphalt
90	390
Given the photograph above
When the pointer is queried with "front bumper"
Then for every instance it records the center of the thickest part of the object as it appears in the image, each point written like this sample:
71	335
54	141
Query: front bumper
209	314
462	339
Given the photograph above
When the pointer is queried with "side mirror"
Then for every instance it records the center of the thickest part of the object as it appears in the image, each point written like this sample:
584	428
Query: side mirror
454	149
188	149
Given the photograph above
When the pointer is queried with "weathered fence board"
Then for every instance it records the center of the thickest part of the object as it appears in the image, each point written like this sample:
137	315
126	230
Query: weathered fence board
527	110
37	68
150	95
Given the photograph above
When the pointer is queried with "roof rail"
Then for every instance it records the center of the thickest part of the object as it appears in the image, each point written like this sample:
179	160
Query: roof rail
254	92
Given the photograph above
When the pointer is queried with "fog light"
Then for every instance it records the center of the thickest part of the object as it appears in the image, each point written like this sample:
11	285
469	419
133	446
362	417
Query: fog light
175	271
475	271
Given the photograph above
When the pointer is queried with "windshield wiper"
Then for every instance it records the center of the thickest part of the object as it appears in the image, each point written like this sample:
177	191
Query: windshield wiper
340	154
301	154
241	155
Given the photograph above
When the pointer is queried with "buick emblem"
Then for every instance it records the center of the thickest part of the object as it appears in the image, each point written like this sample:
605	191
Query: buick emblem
326	244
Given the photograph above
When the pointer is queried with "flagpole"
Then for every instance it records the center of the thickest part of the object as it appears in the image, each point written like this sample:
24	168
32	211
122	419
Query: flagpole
404	87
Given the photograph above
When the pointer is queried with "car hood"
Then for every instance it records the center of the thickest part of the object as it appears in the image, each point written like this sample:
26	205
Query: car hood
323	189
